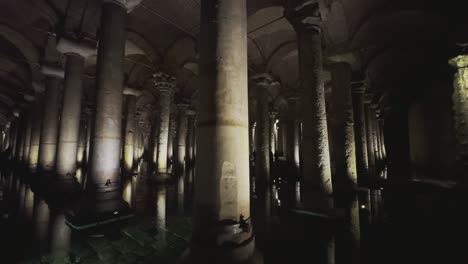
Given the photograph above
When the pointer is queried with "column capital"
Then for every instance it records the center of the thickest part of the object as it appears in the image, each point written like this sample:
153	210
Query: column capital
182	106
52	71
459	62
164	82
304	15
263	80
191	112
131	91
128	5
71	47
359	89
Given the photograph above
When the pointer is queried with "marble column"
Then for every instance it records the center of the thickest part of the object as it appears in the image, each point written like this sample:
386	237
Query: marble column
129	145
49	131
103	190
71	110
460	112
381	121
273	148
179	164
36	124
316	170
171	144
190	152
370	138
282	137
342	135
222	230
293	135
362	160
81	152
27	134
165	85
21	132
263	184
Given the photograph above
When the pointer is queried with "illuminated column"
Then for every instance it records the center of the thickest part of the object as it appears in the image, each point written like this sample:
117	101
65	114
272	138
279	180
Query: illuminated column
293	135
316	170
165	85
375	133
21	132
49	131
460	112
190	152
344	158
360	132
131	97
35	133
27	134
263	184
71	109
170	143
222	195
251	139
81	153
273	115
103	190
282	137
378	134
370	137
342	134
179	164
381	121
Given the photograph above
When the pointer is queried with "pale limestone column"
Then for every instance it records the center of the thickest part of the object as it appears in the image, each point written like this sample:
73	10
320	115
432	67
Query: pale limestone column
316	170
81	152
222	195
67	148
293	135
27	135
263	184
165	85
36	124
179	164
103	190
360	132
129	141
50	116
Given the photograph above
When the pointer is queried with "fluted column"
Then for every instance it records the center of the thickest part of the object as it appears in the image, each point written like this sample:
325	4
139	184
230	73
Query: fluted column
179	164
222	193
49	131
316	170
165	86
71	109
360	132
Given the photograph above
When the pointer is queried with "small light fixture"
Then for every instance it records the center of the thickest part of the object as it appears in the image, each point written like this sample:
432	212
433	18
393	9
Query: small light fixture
363	207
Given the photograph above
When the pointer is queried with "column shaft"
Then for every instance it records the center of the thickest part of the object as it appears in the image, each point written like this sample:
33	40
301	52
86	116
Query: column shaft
180	155
35	134
316	169
27	135
104	181
222	193
165	97
49	132
370	141
129	134
70	117
360	133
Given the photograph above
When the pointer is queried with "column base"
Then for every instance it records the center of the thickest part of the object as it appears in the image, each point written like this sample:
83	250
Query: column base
102	209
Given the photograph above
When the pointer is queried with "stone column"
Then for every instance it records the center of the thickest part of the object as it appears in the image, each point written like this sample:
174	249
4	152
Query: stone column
375	133
381	121
362	160
222	231
21	132
27	135
378	134
370	138
81	153
36	124
103	192
342	135
273	115
262	164
129	145
293	135
282	137
71	110
170	143
179	164
165	85
190	152
344	160
49	132
316	170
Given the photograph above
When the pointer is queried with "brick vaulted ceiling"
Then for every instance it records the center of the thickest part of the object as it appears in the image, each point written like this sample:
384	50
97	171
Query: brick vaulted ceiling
163	34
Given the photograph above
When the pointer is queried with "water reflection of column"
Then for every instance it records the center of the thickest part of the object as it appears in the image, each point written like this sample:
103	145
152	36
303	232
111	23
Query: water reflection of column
161	214
41	223
60	234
